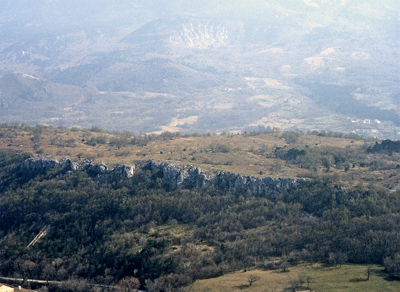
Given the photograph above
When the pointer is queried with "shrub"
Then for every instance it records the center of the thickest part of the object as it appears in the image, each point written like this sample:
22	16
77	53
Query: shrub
217	147
291	137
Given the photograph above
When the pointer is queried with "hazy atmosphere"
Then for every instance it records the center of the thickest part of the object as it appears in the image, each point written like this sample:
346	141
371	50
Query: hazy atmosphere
202	66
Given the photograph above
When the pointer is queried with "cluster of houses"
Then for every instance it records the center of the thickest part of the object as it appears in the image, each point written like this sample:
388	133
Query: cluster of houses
378	132
364	121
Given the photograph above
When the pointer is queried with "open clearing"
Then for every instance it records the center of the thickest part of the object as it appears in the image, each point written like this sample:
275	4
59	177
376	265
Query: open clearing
326	279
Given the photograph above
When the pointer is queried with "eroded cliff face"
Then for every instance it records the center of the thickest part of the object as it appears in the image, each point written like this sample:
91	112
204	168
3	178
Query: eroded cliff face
98	171
176	176
193	177
181	176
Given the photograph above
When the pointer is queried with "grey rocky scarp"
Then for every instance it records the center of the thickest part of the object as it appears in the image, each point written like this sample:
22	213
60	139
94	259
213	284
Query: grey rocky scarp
43	164
265	186
173	174
181	176
98	171
193	177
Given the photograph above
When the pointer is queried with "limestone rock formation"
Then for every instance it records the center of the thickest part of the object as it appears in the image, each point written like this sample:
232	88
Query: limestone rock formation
43	164
185	176
193	177
266	186
98	171
174	175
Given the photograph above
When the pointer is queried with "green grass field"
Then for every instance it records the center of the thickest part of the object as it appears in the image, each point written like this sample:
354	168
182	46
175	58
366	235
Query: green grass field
323	279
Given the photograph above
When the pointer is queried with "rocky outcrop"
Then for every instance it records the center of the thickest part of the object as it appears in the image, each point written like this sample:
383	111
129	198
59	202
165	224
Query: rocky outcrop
44	164
185	176
98	171
174	175
101	171
266	186
193	177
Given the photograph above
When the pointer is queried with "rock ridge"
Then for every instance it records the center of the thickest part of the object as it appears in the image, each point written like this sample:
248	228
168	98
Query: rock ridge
98	171
193	177
174	175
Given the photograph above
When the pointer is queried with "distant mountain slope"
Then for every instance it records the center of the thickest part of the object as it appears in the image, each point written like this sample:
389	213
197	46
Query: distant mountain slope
210	61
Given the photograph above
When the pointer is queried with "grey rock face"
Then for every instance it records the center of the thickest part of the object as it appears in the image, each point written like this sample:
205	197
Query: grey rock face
266	186
184	176
123	171
44	164
98	171
193	177
174	175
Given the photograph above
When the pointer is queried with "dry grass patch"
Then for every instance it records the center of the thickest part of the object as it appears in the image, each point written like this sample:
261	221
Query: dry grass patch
248	154
348	278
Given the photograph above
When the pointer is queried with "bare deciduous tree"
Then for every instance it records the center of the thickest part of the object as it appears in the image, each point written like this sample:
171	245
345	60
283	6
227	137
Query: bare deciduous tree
129	284
154	286
302	280
252	278
78	285
368	272
48	271
294	285
341	258
284	266
308	280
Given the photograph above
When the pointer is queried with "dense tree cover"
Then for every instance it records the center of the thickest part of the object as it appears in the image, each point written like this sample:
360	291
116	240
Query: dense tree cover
385	146
326	156
108	232
351	136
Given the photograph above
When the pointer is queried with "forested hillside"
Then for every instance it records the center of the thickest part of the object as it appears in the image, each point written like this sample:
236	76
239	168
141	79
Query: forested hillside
139	228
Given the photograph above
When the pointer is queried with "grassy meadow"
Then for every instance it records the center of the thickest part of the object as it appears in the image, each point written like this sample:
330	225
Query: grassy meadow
347	278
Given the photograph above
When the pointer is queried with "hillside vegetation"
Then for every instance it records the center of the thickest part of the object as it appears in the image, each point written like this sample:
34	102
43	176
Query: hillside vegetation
348	158
163	239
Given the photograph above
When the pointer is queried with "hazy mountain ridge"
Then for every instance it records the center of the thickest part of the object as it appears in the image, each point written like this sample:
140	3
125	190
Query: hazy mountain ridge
203	56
